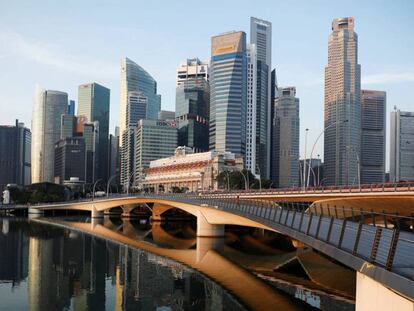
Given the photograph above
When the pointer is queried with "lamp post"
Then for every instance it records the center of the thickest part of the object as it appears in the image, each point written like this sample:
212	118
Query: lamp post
359	168
93	189
319	136
129	181
109	183
260	177
228	180
304	161
245	180
318	170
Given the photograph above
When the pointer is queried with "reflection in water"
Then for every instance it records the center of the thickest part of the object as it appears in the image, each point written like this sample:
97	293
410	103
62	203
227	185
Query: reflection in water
73	271
123	264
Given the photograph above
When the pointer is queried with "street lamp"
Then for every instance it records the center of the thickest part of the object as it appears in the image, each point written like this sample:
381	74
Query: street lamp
319	136
359	169
129	181
109	183
304	162
93	189
244	177
260	176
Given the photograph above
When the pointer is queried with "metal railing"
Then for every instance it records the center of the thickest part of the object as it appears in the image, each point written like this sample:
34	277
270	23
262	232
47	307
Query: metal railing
389	248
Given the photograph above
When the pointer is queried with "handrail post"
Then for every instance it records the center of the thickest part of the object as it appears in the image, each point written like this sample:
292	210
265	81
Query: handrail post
393	247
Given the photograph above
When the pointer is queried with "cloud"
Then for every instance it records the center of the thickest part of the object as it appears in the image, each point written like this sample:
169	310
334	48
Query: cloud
15	45
390	77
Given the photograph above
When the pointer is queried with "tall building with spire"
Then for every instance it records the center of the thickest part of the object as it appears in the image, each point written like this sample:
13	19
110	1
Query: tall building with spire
261	38
342	105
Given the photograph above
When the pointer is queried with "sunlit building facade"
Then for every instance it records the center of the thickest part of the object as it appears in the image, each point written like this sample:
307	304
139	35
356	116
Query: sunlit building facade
342	105
46	130
228	93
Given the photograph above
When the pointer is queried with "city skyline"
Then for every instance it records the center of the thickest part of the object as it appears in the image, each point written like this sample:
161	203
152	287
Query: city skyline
295	65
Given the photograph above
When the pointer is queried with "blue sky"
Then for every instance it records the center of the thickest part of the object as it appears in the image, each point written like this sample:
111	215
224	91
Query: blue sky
61	44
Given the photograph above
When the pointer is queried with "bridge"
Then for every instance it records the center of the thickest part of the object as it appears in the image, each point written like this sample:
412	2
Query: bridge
381	255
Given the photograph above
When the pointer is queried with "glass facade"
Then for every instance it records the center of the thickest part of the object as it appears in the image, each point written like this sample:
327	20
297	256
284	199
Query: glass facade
69	159
228	93
15	161
46	130
373	112
192	106
261	37
93	103
135	78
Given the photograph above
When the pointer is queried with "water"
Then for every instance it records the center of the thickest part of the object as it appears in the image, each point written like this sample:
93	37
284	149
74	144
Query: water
47	268
114	264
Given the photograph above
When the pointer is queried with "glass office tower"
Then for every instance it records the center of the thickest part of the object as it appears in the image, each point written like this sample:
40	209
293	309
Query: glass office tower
46	121
192	104
93	103
228	92
135	78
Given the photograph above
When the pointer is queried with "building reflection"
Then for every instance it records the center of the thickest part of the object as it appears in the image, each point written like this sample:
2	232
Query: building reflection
73	271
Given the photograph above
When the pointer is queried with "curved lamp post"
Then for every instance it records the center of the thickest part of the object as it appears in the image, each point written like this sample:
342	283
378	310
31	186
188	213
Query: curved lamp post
316	141
245	180
109	183
260	177
93	189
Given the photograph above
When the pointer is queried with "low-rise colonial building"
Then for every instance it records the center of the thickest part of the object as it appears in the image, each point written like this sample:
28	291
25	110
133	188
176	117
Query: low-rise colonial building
190	171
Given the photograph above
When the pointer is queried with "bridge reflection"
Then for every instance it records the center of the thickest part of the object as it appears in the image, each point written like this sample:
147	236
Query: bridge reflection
203	255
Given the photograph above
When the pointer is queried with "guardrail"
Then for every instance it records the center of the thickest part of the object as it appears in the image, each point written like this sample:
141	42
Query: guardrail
389	248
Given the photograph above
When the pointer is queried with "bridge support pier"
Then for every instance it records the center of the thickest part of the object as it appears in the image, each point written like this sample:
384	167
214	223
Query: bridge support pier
35	212
204	245
95	213
371	295
205	229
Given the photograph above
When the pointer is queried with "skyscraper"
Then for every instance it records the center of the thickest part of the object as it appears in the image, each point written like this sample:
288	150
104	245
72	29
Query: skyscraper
261	37
93	103
286	139
192	104
342	105
15	160
273	95
228	92
69	159
46	121
154	139
251	119
114	155
135	111
71	107
373	112
402	146
135	78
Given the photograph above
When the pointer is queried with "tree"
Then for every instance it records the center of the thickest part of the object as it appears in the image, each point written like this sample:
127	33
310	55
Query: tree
235	179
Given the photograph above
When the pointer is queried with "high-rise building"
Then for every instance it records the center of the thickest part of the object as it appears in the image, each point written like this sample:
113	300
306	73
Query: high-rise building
228	92
373	112
251	119
91	136
286	138
135	111
154	139
166	115
261	37
402	146
71	107
192	104
342	105
70	159
67	125
15	159
93	103
135	78
273	95
114	156
46	121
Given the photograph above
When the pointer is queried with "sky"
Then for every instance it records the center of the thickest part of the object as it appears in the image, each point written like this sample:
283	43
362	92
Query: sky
59	45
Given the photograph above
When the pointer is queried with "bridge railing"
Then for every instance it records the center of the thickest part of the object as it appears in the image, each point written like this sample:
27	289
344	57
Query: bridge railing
389	248
364	188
